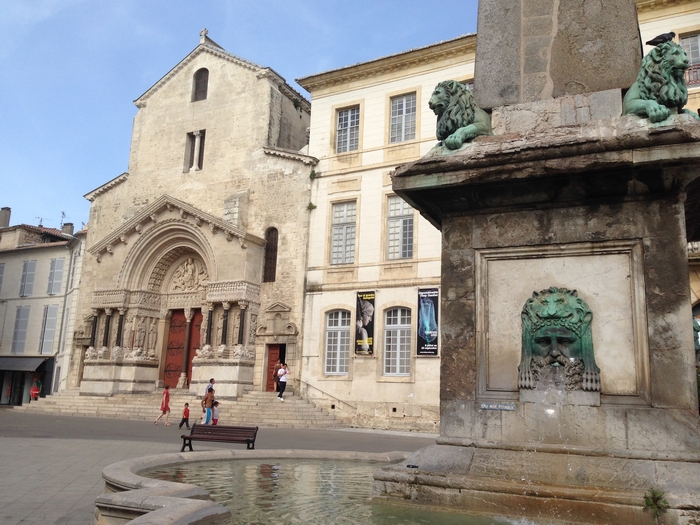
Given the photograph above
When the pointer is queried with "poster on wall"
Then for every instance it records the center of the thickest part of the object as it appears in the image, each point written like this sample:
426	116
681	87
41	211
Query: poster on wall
428	299
364	333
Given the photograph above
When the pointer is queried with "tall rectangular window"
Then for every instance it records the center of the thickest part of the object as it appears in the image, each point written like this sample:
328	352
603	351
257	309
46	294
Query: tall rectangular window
337	342
343	248
691	45
397	342
2	272
399	229
19	337
26	285
48	329
194	151
403	118
56	276
348	130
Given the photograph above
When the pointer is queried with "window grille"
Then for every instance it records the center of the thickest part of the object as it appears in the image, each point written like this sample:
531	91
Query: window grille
397	342
343	237
337	342
348	130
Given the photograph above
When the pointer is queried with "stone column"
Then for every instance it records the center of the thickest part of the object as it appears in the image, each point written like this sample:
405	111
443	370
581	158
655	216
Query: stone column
210	319
224	321
182	382
197	147
241	325
108	321
120	327
93	333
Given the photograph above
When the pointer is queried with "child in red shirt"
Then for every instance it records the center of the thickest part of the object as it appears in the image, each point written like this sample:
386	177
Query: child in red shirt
185	416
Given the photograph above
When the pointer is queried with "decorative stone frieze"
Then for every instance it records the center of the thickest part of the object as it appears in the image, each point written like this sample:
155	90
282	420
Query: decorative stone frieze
232	291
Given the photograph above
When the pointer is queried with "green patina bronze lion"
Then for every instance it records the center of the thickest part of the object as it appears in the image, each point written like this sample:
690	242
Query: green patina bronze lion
459	118
556	331
660	87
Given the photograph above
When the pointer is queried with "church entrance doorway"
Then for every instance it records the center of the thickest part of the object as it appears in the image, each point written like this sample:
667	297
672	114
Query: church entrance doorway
274	352
177	336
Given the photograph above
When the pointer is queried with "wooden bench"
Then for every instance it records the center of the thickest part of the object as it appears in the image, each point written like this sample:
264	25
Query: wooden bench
220	433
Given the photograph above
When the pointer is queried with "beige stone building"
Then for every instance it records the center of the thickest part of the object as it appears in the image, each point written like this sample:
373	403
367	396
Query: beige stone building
373	282
39	277
182	280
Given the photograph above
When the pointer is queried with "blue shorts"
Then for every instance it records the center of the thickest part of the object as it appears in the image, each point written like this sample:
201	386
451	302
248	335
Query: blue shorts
206	417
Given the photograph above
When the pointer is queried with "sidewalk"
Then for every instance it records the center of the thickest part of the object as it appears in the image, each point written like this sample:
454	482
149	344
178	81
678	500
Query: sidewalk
52	465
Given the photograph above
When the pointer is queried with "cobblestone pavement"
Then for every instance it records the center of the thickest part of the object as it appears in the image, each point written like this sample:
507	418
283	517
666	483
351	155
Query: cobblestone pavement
52	465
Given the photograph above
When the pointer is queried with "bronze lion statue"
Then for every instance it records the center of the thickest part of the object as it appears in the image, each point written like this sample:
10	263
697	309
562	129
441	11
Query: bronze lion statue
459	118
660	86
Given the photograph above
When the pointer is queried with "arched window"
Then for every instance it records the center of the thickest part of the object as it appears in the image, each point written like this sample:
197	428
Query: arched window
201	82
270	269
337	342
397	342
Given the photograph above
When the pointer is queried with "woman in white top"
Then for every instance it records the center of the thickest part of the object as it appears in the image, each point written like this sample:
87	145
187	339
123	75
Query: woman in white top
282	374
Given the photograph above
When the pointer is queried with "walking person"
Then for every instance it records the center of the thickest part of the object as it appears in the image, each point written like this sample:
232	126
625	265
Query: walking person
215	413
210	386
282	374
207	405
185	417
275	377
164	406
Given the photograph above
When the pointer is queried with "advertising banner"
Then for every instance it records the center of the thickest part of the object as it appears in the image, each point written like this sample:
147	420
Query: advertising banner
428	300
364	337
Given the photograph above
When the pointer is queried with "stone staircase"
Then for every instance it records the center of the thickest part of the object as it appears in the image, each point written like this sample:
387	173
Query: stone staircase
253	409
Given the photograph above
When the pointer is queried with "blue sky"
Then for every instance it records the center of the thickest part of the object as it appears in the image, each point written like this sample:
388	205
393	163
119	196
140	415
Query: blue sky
72	68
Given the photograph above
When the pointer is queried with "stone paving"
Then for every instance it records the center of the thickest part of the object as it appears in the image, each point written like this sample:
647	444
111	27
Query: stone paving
52	465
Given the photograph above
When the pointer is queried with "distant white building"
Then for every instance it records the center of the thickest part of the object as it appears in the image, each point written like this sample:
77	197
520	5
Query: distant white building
39	277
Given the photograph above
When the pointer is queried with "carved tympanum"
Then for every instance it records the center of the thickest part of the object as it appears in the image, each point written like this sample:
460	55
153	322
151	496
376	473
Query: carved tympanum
660	86
190	276
556	331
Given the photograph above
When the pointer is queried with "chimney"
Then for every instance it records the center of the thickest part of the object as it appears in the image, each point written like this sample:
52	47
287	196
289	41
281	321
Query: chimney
67	228
5	217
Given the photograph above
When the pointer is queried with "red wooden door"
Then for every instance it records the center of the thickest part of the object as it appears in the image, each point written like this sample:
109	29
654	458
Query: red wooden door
273	354
176	349
194	341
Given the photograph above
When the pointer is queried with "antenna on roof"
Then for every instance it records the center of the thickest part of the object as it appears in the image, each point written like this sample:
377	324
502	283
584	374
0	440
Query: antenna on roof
41	220
63	216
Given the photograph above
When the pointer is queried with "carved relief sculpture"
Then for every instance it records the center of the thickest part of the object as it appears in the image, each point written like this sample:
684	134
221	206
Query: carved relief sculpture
139	332
128	328
660	87
152	336
459	118
556	332
190	276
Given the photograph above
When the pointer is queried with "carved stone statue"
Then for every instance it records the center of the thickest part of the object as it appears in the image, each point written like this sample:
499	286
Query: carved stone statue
139	332
660	87
189	276
459	118
556	326
152	334
126	335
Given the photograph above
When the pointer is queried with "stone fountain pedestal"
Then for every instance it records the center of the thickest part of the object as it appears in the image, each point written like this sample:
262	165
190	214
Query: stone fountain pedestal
567	194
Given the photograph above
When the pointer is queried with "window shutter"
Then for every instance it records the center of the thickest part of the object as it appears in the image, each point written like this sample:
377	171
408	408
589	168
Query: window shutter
56	276
48	329
19	336
26	288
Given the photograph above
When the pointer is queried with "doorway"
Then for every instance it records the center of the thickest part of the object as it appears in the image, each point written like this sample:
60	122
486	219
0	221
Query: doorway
274	352
176	346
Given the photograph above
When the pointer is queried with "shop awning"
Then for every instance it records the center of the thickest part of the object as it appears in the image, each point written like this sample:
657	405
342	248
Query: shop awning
21	364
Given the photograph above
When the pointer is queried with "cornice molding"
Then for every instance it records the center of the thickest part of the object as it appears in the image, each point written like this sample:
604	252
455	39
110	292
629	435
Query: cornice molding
116	181
286	154
149	214
649	5
407	59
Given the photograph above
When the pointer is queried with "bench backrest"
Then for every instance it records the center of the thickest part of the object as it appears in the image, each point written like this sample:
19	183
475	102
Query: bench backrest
224	431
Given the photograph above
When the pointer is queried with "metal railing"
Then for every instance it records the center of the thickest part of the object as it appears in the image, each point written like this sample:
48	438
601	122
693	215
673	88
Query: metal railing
338	401
692	76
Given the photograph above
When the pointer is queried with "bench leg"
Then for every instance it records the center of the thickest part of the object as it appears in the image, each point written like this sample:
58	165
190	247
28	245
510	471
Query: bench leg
186	442
251	446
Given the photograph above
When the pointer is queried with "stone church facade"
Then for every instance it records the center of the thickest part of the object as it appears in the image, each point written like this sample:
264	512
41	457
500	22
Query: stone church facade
181	280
